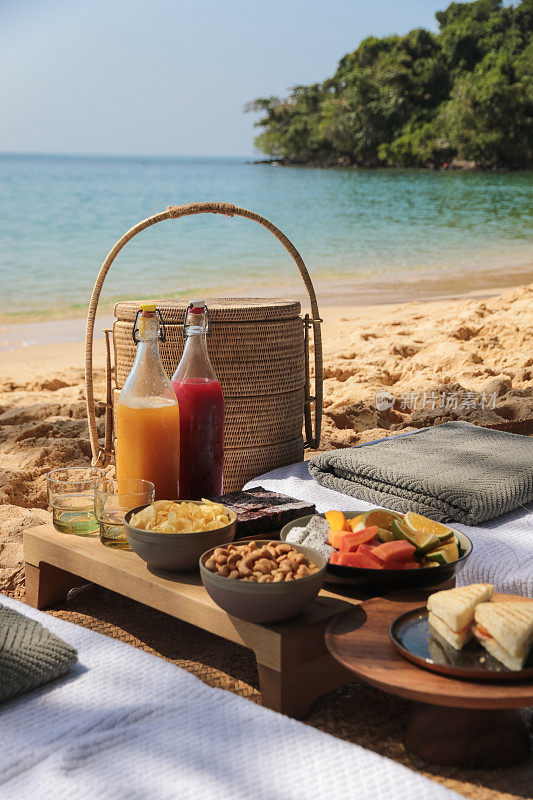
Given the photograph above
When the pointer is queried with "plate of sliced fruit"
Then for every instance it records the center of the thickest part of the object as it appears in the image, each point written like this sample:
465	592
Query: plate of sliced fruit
383	547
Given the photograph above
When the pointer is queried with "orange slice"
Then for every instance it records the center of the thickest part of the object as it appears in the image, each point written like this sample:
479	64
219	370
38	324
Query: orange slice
420	524
381	517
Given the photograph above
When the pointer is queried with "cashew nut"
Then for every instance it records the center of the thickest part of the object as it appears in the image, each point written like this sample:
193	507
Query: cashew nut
233	559
245	565
264	565
285	567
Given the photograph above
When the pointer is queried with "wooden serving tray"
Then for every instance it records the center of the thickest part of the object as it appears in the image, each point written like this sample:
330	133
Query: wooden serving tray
293	663
463	722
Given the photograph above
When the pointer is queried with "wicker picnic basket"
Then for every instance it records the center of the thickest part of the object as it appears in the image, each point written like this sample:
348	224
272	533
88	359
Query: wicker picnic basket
260	352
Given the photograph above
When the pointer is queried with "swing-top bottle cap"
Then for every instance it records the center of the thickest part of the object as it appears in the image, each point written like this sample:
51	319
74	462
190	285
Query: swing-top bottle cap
149	307
197	306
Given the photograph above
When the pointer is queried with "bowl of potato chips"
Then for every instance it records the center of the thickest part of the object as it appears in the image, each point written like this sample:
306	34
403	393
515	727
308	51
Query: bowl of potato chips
171	535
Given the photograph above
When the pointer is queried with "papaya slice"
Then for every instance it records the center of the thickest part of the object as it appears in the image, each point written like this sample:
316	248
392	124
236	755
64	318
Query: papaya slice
351	541
335	538
365	548
361	560
397	550
394	564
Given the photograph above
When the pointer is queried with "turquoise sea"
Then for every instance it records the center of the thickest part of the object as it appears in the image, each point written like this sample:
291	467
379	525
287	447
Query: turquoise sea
356	229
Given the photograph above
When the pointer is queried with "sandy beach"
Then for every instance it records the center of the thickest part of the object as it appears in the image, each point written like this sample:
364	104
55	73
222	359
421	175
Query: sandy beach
387	368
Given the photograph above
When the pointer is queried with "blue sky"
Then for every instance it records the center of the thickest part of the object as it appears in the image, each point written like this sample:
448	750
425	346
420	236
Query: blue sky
169	76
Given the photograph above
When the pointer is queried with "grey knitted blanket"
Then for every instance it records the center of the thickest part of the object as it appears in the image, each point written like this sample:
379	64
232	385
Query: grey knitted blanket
29	654
455	472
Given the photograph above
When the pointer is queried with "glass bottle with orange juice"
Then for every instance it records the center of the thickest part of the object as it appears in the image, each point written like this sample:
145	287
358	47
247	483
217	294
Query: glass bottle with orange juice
147	414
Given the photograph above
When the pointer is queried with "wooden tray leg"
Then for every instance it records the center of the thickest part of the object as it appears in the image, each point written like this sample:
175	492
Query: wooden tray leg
471	738
293	692
47	585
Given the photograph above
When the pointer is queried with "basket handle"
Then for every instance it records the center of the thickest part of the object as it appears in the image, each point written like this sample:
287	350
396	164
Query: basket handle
174	212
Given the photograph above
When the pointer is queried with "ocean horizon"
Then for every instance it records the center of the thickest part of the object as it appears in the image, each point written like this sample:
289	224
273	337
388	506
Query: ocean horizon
358	230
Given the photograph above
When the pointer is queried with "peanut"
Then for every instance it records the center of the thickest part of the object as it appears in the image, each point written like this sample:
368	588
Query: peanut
224	571
210	564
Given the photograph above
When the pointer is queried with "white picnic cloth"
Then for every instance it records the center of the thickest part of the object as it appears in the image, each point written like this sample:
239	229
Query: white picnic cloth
503	548
126	725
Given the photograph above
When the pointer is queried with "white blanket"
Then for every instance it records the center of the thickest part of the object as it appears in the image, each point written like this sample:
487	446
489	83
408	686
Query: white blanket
503	548
126	725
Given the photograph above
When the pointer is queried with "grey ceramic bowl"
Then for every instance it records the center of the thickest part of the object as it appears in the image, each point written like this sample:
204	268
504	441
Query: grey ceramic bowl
391	579
176	551
264	602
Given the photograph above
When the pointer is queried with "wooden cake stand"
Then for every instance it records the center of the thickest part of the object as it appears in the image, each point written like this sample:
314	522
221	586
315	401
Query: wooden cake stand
462	723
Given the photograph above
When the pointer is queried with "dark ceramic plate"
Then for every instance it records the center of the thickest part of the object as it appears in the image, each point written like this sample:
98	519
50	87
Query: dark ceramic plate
389	579
411	636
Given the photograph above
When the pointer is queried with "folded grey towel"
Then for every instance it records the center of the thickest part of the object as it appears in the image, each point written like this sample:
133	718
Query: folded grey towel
29	654
455	472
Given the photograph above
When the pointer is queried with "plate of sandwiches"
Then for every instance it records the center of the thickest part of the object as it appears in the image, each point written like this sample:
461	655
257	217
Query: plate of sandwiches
469	632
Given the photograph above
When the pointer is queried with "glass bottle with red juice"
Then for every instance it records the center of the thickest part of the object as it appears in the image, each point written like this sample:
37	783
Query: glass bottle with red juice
201	406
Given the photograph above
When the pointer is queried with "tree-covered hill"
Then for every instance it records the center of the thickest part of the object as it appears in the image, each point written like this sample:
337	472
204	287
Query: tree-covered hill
463	96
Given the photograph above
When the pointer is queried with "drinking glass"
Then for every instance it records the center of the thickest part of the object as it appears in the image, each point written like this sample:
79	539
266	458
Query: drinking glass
71	498
111	506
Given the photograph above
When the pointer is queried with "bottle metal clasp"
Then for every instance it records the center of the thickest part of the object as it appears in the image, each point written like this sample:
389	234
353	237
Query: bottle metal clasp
185	324
161	334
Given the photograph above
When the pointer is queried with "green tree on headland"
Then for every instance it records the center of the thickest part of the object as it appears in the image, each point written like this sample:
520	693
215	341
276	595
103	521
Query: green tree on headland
463	95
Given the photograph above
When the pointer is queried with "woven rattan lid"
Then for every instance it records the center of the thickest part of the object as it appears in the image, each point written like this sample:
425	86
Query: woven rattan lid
221	309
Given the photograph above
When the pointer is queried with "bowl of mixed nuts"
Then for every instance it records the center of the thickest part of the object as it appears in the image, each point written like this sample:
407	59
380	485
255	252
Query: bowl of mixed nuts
262	581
